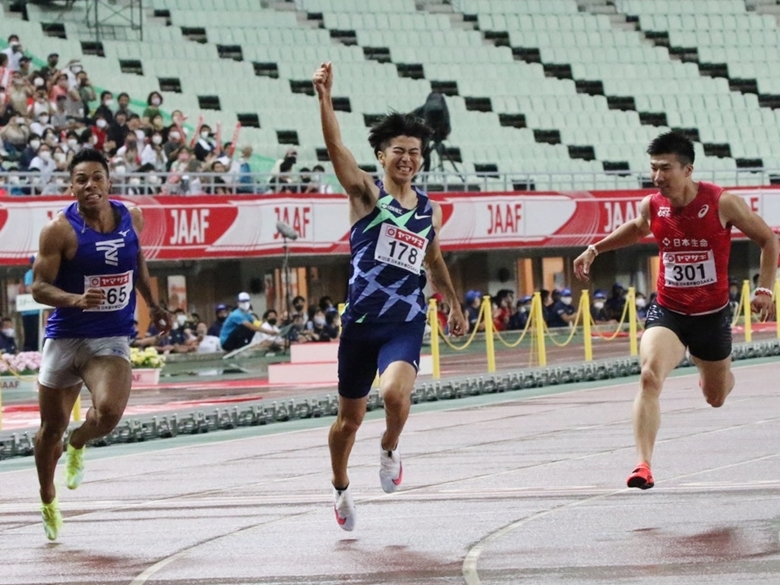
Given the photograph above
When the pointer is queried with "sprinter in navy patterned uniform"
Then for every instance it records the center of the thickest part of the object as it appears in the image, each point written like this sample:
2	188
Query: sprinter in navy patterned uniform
394	244
88	267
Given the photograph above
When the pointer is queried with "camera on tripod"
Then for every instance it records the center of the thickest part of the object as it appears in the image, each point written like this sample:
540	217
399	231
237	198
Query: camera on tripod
437	116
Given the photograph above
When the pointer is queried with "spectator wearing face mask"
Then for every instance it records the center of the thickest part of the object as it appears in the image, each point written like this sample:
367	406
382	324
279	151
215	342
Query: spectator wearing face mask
99	132
86	95
221	314
240	326
60	119
14	52
105	109
41	124
519	318
40	104
153	153
316	329
207	343
316	184
19	91
44	163
173	144
7	336
119	130
269	334
16	139
205	145
562	313
153	102
50	69
282	180
597	311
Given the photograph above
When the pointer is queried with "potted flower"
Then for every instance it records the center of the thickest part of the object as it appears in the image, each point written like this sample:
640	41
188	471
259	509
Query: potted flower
147	364
19	371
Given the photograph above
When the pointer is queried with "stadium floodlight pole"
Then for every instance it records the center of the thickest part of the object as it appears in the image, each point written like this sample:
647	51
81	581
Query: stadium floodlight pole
288	233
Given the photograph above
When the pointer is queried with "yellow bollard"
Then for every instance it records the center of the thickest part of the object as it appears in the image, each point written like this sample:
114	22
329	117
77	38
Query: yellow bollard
491	351
340	308
632	320
433	319
587	341
77	409
748	316
538	315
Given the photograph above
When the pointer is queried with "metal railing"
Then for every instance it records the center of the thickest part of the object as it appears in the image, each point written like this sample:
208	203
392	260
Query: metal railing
34	183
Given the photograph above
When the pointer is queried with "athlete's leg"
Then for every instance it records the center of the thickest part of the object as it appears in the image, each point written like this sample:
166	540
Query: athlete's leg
717	380
396	385
108	379
659	353
342	437
55	405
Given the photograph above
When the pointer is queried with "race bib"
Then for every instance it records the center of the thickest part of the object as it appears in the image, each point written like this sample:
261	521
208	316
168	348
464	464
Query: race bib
117	289
401	248
686	269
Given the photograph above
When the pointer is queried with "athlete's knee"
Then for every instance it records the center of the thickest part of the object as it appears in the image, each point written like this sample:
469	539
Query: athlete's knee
395	396
50	432
347	424
106	419
649	381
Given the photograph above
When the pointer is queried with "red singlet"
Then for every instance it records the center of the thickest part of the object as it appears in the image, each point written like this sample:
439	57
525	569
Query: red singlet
694	248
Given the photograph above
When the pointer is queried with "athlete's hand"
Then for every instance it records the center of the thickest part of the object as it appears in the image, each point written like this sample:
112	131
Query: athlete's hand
91	298
582	265
456	322
323	79
162	319
763	306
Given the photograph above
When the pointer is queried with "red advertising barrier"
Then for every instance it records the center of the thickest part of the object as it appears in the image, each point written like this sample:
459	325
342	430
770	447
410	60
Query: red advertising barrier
245	226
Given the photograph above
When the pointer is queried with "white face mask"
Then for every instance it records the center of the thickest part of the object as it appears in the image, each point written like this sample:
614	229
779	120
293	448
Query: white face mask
38	82
120	170
108	103
45	155
72	142
155	101
243	305
181	319
566	300
20	120
135	181
641	303
156	139
35	144
101	123
174	135
319	320
59	157
152	179
316	178
204	134
43	119
598	305
9	332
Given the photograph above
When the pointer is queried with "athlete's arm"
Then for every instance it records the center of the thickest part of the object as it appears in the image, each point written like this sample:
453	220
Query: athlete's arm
440	277
356	182
143	283
56	240
735	212
625	235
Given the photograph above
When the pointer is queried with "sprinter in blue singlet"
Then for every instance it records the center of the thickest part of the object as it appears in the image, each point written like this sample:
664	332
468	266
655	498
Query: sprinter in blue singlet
88	267
394	248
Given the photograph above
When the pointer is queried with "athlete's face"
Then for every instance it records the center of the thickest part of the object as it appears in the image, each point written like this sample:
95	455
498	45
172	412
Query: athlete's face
402	158
669	174
90	185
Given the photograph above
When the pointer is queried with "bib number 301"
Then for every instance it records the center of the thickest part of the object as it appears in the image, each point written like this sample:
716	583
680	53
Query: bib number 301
401	248
116	290
686	269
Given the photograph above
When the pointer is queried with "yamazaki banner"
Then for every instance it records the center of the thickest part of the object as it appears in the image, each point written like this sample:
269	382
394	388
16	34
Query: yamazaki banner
245	226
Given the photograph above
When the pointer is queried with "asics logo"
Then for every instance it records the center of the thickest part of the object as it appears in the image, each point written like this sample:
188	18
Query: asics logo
703	211
418	216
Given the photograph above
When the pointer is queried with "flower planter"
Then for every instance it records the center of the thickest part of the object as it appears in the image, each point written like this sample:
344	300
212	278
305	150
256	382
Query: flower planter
149	376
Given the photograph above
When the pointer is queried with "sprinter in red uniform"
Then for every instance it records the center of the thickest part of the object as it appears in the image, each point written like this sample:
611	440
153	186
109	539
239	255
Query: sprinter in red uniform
691	222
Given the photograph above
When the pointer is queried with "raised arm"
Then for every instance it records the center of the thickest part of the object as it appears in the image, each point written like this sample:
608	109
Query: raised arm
143	283
440	277
629	233
734	211
56	240
356	182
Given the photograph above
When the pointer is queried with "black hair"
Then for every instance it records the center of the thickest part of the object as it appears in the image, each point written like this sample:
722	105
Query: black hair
104	94
152	94
123	94
397	124
673	143
268	312
88	155
13	37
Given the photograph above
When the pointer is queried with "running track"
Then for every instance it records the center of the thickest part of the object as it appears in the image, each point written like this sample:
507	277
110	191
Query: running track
524	487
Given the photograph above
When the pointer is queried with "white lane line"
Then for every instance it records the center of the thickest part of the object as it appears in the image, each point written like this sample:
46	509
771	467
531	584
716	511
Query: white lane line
469	568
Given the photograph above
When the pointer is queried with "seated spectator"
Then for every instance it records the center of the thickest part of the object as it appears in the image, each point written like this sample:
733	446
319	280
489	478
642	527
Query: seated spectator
60	119
216	327
14	52
86	96
60	158
269	334
119	130
18	142
597	311
45	165
153	153
316	329
50	69
473	302
615	303
123	104
216	183
18	91
40	105
562	313
282	180
316	184
153	102
207	343
134	127
244	179
7	336
519	318
148	340
333	325
105	108
240	327
99	131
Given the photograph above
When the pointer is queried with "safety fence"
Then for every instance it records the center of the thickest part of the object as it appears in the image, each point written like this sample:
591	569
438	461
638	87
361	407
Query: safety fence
583	325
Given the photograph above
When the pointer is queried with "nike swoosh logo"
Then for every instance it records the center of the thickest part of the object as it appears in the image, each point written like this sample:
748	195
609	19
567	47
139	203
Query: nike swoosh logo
417	216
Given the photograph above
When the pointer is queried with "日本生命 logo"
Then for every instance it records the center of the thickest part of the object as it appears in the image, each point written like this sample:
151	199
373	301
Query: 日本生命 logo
664	212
